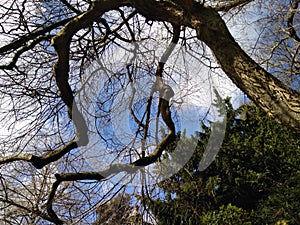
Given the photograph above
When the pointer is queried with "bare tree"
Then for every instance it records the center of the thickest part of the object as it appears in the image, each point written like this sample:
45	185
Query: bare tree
46	49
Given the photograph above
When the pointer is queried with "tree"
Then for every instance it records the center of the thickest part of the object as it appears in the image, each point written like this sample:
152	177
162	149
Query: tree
119	211
47	47
254	180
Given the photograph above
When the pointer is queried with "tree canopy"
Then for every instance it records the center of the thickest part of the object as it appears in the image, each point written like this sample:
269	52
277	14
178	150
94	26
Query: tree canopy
71	72
254	179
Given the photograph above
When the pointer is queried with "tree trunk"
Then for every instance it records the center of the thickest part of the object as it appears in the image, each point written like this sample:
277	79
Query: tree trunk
275	98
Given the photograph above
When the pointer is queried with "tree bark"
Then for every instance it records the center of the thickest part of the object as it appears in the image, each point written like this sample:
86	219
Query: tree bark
277	99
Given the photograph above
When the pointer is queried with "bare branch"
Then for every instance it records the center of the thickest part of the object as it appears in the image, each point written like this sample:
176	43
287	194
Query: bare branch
231	5
164	108
17	55
275	98
41	161
24	39
290	21
112	170
33	211
71	7
14	158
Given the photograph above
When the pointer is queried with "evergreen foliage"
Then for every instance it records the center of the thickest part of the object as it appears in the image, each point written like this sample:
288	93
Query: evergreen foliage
255	178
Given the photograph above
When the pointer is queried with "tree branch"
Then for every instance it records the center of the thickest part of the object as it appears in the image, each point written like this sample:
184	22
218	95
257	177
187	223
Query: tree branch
231	5
33	211
17	55
40	161
261	86
29	37
277	99
290	21
164	91
66	3
112	170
